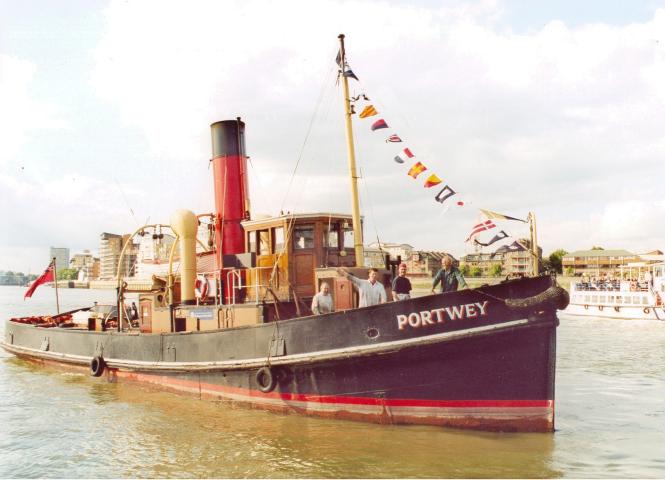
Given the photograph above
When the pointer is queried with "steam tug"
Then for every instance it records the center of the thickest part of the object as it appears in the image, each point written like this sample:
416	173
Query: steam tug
232	323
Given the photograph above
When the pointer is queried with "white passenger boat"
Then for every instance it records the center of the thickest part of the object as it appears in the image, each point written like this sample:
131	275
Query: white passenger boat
642	300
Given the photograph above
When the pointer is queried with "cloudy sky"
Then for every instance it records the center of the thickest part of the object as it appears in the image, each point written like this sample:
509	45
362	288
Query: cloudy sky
552	107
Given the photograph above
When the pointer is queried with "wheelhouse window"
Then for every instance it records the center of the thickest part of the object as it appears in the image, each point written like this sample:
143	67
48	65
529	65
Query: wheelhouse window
303	237
348	238
251	242
278	239
331	237
264	242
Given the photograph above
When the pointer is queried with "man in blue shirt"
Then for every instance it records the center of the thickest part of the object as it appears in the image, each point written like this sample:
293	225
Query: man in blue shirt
450	277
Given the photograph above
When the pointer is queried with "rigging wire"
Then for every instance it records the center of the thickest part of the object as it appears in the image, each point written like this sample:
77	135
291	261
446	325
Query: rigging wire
309	130
257	176
326	156
371	207
124	197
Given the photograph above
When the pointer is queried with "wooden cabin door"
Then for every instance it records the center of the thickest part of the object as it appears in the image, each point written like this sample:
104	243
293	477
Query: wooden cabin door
304	274
145	315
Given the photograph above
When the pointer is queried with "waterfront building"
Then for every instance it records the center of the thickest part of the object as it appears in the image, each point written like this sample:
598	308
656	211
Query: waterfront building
402	250
374	257
519	261
419	263
597	263
516	260
375	253
61	256
110	247
426	263
84	264
484	262
96	268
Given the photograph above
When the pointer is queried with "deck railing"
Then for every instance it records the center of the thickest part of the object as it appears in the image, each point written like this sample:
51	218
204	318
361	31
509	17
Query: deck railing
237	281
615	286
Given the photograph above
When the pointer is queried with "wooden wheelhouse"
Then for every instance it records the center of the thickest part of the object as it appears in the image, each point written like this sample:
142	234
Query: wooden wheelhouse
296	252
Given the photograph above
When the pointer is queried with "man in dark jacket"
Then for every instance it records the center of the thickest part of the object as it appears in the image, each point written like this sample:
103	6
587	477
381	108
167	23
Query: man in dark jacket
450	277
401	284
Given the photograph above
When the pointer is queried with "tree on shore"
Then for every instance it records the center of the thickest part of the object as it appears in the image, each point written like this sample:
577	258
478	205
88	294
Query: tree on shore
15	278
555	260
495	270
67	274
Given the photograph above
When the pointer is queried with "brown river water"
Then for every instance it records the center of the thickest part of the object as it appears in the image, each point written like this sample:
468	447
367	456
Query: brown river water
610	421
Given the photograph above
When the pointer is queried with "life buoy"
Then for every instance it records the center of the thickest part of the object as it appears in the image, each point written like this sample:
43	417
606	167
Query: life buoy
265	380
97	366
646	310
586	307
600	307
201	288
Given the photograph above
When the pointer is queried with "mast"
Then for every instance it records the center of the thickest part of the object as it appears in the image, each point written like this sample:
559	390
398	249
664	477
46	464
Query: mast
534	243
55	278
357	228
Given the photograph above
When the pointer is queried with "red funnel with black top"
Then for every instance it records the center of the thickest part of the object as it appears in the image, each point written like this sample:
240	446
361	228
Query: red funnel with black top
229	165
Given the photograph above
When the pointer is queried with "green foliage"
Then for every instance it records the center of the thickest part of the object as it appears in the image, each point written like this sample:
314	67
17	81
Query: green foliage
475	272
15	278
570	271
555	260
464	270
595	247
68	274
496	270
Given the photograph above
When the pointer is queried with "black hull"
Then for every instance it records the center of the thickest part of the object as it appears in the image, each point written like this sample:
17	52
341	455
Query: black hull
491	367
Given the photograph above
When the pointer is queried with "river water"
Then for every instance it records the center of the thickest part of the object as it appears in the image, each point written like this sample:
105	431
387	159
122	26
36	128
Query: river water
610	421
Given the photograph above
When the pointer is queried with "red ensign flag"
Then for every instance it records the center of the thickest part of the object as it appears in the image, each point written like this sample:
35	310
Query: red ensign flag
47	276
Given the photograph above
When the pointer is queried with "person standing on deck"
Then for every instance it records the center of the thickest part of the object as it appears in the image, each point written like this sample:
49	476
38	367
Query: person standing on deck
134	313
450	277
401	284
322	301
371	291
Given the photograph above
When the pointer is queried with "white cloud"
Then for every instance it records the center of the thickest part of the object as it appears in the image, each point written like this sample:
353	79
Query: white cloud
67	211
20	113
495	113
565	121
636	223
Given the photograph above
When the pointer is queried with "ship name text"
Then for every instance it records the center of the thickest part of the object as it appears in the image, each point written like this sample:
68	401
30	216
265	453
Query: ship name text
442	315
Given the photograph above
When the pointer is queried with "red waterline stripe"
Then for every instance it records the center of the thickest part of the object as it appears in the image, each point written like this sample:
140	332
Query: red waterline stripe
335	399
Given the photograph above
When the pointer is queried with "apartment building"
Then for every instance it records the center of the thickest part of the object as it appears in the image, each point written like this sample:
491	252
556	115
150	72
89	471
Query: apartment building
61	256
596	263
110	247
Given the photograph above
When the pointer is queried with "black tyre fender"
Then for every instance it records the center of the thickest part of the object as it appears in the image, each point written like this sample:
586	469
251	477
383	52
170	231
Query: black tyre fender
265	379
97	366
600	307
554	298
616	309
586	307
646	310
